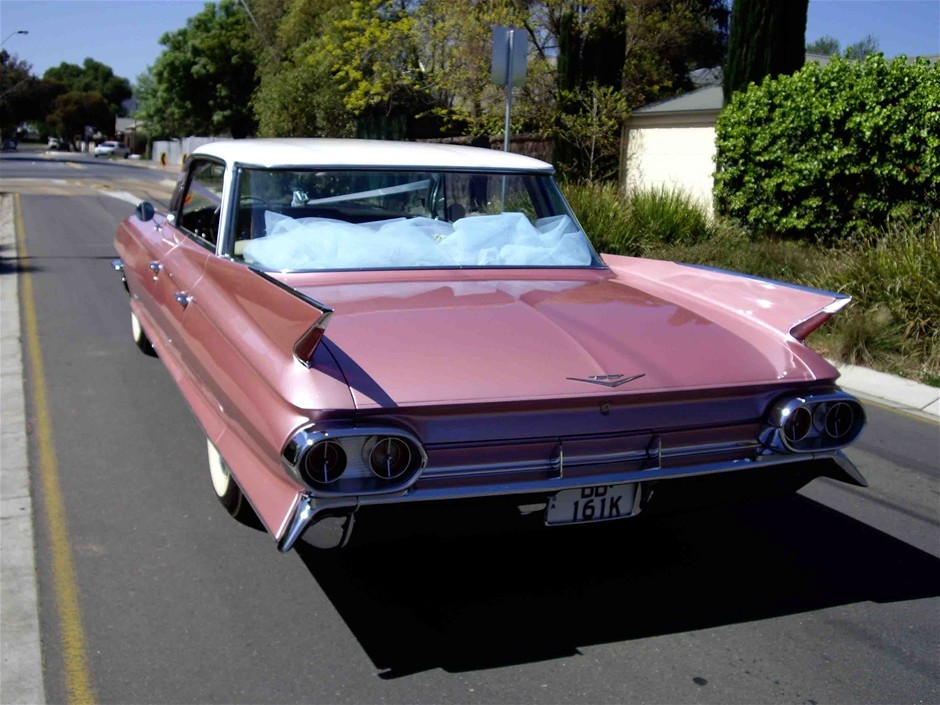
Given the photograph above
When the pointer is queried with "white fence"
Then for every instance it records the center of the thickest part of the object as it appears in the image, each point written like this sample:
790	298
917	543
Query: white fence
175	151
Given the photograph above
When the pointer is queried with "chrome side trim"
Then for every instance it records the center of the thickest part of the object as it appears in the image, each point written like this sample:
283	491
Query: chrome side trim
303	513
551	485
307	513
776	282
562	461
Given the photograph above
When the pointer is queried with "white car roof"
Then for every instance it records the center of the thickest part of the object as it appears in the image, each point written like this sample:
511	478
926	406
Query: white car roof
301	152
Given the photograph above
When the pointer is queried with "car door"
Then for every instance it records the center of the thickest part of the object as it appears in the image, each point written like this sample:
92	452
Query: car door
192	235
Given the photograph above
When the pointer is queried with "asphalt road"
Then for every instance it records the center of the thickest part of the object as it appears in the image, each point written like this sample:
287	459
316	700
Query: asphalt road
827	596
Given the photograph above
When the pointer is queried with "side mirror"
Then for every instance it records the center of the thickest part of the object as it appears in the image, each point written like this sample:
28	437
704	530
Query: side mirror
144	211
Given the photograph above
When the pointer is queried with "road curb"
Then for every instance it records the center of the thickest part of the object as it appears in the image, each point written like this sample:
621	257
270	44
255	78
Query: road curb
903	394
20	649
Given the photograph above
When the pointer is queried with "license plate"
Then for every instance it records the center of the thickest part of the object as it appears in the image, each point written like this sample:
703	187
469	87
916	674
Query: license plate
591	504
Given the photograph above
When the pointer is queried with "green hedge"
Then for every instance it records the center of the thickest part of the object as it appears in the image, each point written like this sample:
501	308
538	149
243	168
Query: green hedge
831	150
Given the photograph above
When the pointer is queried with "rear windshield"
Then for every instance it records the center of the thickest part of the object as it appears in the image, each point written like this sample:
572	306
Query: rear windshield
291	220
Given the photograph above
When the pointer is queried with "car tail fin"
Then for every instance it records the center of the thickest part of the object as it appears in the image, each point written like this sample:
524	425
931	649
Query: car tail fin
788	308
306	344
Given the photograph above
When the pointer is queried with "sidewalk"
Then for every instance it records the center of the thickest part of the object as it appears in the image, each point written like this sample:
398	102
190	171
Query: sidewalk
19	611
896	392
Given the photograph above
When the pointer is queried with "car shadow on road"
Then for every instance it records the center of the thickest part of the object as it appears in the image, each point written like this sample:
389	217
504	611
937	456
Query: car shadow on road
445	597
12	263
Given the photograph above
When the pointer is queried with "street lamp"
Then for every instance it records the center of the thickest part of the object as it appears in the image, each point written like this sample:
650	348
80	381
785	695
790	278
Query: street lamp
19	31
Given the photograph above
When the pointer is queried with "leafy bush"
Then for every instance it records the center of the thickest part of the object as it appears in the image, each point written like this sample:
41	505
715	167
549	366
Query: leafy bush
829	150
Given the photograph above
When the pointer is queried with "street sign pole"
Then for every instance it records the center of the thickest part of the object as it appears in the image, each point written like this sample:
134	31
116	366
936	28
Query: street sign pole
510	47
509	57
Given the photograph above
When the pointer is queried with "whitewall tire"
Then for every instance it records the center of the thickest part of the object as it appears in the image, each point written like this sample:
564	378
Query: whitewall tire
140	338
227	489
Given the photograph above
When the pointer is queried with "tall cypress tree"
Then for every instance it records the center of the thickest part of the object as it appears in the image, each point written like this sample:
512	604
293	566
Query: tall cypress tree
767	38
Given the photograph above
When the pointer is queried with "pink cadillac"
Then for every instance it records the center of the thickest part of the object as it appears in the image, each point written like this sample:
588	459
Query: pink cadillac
372	323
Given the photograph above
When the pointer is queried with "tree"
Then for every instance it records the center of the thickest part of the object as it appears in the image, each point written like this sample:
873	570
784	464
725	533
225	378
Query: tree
75	110
23	96
862	48
16	83
591	126
297	95
666	40
455	52
93	77
423	66
830	47
202	83
767	39
826	44
645	49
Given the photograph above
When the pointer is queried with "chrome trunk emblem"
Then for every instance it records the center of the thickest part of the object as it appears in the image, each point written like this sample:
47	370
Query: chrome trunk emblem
607	380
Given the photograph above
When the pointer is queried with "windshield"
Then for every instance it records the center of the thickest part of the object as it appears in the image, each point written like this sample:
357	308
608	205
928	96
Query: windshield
330	220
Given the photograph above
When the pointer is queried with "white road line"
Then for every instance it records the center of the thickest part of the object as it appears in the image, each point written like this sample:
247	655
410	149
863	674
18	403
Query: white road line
122	196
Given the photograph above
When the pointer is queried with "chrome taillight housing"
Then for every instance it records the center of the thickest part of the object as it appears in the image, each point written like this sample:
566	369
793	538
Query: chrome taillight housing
345	460
816	422
389	457
323	464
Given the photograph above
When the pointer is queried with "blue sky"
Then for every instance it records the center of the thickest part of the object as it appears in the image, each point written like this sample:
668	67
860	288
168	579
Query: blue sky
124	34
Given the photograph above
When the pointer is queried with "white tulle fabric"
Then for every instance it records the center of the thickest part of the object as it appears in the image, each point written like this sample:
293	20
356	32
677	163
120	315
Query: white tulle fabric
504	240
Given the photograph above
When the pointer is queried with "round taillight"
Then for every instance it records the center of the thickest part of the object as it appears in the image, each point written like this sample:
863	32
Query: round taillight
798	424
840	419
390	458
324	463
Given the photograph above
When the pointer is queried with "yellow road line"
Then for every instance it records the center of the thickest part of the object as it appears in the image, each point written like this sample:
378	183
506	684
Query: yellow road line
866	401
75	166
78	683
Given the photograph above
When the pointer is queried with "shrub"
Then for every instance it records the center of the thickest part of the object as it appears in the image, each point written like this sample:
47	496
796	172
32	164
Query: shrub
829	150
668	215
898	271
636	224
603	213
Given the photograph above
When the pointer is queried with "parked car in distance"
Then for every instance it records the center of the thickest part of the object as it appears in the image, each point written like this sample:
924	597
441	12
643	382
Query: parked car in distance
9	145
59	144
365	323
111	148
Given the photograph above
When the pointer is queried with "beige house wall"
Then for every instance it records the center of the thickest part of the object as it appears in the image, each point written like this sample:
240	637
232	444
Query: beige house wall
680	156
